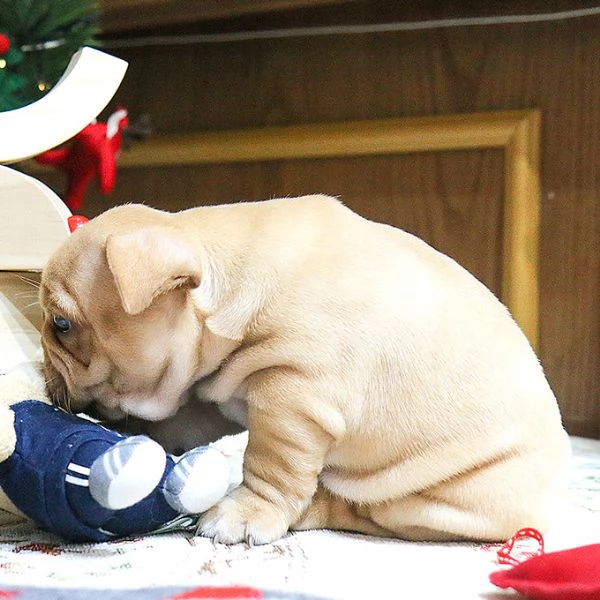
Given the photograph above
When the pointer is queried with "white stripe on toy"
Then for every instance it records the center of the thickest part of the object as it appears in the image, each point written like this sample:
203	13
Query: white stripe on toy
78	469
77	481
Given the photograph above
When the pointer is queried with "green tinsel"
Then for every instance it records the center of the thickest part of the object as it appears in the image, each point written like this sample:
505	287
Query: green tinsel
44	35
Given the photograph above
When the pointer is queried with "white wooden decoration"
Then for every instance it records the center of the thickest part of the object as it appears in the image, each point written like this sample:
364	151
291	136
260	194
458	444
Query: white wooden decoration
87	86
33	222
33	219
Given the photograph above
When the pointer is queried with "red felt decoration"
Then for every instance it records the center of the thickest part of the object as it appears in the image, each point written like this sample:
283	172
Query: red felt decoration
565	575
526	543
4	44
91	154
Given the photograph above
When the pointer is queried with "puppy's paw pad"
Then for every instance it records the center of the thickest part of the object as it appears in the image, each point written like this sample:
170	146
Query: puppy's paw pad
243	517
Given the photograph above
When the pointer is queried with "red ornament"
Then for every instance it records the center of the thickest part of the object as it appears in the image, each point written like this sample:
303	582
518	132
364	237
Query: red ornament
4	44
75	222
91	154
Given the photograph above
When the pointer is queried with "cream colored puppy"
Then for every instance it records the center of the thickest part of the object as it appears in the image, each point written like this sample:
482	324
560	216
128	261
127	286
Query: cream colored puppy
387	391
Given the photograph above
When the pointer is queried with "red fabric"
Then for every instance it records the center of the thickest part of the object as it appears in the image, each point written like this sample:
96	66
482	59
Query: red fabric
220	593
91	154
566	575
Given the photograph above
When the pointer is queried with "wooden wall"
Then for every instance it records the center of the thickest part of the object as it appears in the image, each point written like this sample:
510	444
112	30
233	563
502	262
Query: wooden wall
453	199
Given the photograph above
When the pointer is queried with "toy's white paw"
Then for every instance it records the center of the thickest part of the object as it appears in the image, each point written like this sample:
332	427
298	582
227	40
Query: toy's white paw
244	517
127	472
233	447
198	481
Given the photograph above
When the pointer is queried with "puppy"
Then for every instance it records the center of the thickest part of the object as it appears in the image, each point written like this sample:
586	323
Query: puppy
386	390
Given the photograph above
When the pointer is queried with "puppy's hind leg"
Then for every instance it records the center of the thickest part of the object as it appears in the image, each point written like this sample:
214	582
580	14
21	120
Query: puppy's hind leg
411	518
425	519
489	503
327	511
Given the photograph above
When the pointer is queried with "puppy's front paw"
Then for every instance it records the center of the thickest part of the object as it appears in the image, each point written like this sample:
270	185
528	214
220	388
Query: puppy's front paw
244	517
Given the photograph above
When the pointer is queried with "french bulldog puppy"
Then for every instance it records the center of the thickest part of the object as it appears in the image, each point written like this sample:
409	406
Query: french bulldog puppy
385	389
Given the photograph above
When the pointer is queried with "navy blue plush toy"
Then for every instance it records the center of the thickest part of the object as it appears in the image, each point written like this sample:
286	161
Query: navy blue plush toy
84	482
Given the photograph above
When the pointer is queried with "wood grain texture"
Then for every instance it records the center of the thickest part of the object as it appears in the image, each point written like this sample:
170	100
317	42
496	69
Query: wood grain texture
453	200
123	15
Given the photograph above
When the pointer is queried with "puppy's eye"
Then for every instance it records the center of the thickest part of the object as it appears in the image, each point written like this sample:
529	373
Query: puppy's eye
61	325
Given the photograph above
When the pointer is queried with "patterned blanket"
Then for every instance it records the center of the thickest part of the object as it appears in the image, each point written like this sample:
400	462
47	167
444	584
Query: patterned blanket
304	565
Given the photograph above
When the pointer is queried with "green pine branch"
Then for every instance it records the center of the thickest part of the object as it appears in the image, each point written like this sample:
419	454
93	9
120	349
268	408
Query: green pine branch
47	33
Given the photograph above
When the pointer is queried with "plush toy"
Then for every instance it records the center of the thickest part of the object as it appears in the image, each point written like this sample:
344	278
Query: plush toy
91	154
84	482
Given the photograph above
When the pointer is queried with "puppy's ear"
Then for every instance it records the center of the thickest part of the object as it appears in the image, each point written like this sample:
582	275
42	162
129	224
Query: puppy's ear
148	262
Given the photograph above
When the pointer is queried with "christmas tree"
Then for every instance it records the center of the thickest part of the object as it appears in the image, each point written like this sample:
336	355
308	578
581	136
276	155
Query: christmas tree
37	40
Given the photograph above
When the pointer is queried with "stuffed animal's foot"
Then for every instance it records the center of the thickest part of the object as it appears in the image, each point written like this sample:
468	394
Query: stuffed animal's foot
127	472
233	447
199	479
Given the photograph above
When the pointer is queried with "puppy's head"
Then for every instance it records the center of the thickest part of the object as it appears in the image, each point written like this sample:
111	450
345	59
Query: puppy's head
119	326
